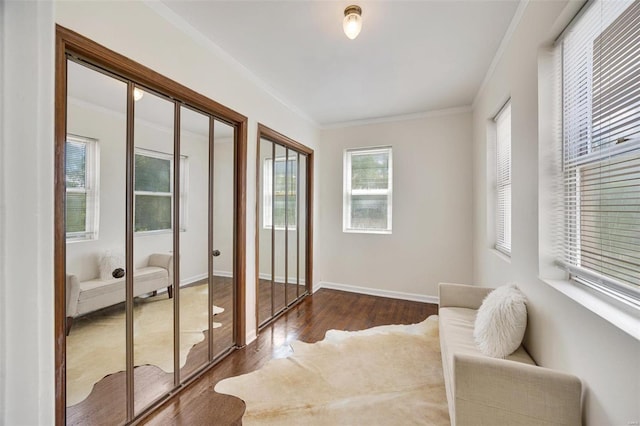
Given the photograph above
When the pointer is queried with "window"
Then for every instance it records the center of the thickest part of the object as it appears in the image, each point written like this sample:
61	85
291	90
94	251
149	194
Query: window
601	149
154	191
283	195
81	176
503	179
367	190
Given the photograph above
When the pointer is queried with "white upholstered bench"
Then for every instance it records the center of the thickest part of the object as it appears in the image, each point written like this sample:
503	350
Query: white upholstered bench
84	297
493	391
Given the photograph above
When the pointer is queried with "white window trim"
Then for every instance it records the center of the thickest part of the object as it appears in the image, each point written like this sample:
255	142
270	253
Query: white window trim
348	192
502	246
553	273
184	185
607	286
92	185
268	196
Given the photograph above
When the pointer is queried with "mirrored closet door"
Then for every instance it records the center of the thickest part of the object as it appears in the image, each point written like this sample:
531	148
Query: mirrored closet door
283	249
148	199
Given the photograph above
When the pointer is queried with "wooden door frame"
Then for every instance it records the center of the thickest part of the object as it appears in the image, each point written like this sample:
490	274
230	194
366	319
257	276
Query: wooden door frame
71	43
269	134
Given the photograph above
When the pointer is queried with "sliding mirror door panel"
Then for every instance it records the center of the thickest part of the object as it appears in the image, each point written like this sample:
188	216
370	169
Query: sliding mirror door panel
291	227
153	289
278	218
194	241
265	231
301	266
223	244
95	179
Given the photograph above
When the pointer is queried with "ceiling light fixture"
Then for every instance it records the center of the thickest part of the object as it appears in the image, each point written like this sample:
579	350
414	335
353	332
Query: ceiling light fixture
137	94
352	23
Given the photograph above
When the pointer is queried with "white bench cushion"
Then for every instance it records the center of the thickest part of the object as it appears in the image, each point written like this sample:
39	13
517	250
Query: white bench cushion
456	336
96	294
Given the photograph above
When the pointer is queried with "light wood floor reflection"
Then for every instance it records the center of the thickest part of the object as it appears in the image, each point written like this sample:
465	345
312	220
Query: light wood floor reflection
107	400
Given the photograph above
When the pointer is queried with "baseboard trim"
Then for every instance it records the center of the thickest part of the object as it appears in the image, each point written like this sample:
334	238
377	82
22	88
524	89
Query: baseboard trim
201	277
377	292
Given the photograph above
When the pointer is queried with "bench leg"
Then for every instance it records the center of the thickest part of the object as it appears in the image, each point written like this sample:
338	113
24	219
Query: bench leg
69	323
170	291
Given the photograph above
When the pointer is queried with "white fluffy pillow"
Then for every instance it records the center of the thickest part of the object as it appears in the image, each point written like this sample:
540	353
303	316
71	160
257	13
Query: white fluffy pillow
501	322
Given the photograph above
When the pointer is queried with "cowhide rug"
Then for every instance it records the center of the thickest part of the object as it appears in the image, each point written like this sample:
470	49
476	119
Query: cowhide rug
388	375
96	344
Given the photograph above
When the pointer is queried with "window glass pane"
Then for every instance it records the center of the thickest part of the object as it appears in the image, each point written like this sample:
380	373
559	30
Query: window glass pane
370	170
153	174
601	148
369	212
76	211
152	212
76	164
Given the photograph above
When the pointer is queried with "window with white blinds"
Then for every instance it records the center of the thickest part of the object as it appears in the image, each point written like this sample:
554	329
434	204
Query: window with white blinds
601	148
81	179
367	190
503	179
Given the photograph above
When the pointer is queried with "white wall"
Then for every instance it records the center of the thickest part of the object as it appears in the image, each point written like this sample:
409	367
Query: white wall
26	215
561	334
432	200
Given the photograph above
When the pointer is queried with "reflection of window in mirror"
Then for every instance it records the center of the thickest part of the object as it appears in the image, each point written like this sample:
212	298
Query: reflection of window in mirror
81	178
154	191
284	193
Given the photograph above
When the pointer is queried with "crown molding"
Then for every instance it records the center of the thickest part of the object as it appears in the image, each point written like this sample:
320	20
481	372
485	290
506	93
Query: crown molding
402	117
517	16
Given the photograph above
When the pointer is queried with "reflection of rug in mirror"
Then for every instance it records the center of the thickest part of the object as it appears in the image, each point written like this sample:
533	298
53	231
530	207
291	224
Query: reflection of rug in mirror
96	344
380	376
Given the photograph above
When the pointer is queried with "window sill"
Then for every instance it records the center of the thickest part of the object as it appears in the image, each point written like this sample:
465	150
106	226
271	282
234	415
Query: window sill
366	231
621	315
501	255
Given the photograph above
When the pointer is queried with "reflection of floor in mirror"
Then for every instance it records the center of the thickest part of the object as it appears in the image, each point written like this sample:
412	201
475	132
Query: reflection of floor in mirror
264	297
107	399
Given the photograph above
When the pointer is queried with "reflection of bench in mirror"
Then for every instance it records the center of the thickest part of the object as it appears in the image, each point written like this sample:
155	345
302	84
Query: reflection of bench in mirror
84	297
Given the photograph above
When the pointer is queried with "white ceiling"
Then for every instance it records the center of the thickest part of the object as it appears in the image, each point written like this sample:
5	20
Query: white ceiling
411	56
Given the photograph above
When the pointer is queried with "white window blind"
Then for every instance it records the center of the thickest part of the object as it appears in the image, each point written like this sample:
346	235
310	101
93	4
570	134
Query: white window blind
368	190
601	148
503	179
153	186
81	178
283	193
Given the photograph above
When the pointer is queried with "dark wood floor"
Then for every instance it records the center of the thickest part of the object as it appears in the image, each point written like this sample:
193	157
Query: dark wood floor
308	321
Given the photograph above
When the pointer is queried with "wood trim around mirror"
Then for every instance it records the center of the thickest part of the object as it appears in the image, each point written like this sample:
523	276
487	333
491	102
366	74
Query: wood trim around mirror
71	43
